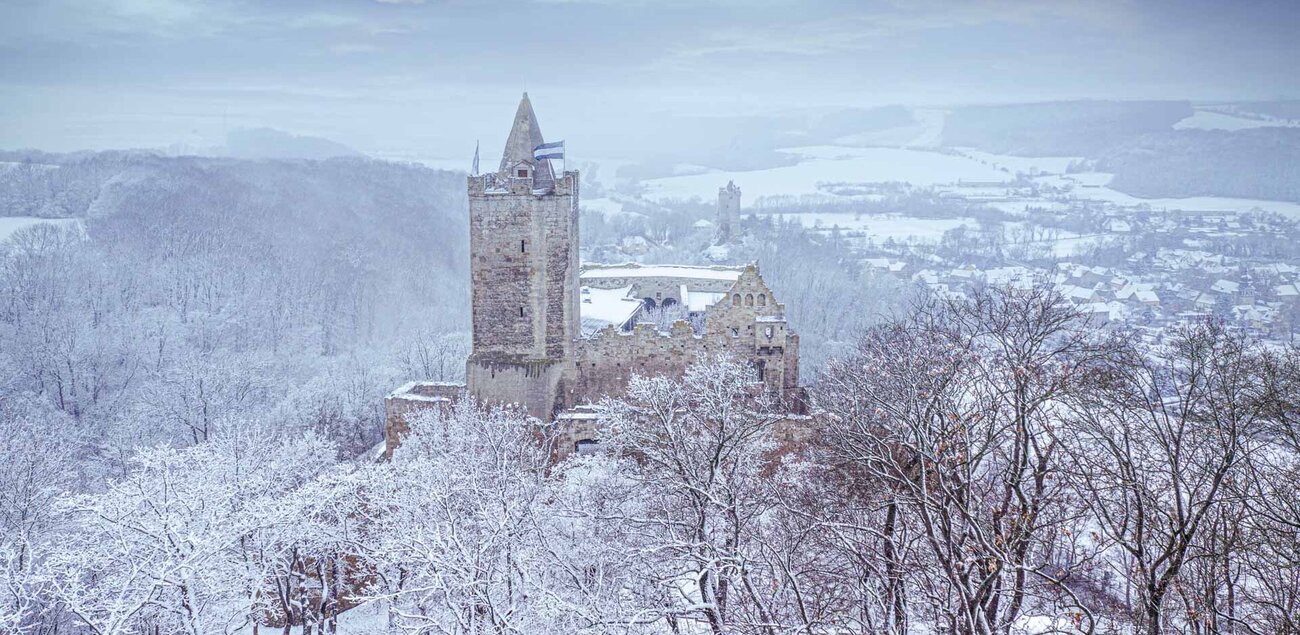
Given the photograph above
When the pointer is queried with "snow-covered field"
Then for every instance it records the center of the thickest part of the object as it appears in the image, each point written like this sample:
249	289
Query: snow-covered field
926	131
605	206
1210	120
829	164
11	224
881	227
823	165
1092	186
1014	164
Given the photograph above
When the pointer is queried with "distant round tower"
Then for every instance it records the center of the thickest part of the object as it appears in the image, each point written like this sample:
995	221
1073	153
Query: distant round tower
523	276
728	213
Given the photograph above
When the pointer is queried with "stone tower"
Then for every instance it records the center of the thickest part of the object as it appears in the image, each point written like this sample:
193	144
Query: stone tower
523	276
728	213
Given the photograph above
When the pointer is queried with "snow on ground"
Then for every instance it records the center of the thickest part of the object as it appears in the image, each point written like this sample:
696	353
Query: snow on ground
607	206
828	164
930	134
1210	120
11	224
1020	206
1092	186
881	227
1014	164
370	618
925	131
1073	245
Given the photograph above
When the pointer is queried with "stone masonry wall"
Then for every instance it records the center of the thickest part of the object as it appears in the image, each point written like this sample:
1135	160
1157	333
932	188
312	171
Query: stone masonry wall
524	280
607	360
412	400
523	267
741	325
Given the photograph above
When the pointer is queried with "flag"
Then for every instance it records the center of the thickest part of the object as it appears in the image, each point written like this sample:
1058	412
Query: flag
553	150
475	172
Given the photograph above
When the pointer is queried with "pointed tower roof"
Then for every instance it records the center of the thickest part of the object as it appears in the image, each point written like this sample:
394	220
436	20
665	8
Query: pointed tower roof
525	135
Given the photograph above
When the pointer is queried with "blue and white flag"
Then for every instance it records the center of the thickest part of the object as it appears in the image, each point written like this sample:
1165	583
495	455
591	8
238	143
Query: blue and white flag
553	150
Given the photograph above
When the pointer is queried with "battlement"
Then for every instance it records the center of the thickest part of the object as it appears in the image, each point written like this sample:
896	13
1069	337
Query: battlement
498	184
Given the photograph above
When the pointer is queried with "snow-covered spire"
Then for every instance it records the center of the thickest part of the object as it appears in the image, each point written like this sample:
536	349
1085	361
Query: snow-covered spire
525	135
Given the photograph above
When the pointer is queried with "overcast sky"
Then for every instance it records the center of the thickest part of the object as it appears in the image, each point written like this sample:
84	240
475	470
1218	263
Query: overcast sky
426	78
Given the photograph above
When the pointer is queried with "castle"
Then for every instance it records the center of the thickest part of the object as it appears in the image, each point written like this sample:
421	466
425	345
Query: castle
553	335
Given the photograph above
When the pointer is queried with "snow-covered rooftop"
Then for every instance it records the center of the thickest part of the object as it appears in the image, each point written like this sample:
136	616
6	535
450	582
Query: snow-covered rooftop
633	270
1225	286
602	307
700	300
430	391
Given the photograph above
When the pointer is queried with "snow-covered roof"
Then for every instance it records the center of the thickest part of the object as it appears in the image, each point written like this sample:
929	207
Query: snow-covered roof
583	412
1077	293
1147	295
602	307
413	390
700	300
1118	225
633	270
1225	286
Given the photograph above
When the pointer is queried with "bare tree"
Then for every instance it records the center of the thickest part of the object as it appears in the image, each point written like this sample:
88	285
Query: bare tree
1271	523
1156	445
943	421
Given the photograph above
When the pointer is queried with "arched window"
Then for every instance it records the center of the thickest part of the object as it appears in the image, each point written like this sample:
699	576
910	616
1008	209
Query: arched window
649	303
762	300
749	299
735	300
668	302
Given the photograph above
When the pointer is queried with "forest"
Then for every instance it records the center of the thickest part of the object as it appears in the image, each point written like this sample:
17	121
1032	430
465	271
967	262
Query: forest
191	384
990	465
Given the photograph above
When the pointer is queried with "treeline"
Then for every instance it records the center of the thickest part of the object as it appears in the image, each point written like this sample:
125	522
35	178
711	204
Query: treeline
1136	142
740	142
1061	129
991	465
1259	163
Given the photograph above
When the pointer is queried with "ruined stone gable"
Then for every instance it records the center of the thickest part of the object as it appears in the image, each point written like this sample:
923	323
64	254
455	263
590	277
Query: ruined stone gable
745	323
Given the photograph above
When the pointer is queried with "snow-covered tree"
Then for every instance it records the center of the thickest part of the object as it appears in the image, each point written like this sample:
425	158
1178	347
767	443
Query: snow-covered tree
453	532
165	546
695	457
